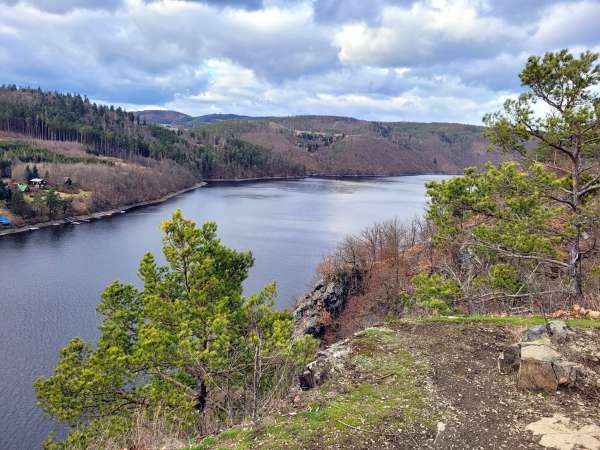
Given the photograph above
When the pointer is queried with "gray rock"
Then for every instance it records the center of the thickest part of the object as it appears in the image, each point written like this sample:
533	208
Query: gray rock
329	361
543	368
533	333
536	371
540	349
325	301
568	373
510	359
559	330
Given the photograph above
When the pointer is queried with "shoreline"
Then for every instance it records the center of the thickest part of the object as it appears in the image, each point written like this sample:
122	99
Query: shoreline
100	214
108	213
323	176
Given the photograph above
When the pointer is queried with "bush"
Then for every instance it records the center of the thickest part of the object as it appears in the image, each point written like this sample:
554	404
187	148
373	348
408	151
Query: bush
435	293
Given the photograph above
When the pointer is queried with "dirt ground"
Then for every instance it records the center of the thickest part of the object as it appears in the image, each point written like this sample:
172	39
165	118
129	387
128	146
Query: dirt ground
430	385
479	407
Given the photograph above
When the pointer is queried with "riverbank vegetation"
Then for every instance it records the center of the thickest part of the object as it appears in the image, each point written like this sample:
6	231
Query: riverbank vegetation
77	183
190	356
520	237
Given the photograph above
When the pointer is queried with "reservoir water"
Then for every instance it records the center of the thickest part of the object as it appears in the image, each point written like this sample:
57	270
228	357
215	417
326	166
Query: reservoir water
51	279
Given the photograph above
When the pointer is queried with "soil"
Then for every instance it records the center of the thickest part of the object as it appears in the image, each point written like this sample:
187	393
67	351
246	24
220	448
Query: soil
480	408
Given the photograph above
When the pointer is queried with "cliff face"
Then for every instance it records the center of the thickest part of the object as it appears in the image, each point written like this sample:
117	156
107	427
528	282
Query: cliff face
324	303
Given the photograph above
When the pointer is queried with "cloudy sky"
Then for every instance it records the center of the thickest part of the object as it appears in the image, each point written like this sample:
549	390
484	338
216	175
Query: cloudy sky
424	60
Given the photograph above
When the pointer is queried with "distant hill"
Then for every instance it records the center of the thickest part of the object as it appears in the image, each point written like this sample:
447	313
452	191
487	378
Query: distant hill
344	146
160	117
229	146
332	145
157	116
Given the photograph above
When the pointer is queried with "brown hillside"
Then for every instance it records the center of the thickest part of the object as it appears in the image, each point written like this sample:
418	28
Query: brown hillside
342	146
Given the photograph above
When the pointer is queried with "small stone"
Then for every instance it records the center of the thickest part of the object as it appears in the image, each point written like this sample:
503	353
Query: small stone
533	333
559	330
509	359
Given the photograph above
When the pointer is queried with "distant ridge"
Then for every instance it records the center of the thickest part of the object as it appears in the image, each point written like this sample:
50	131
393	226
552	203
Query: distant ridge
158	116
334	145
175	118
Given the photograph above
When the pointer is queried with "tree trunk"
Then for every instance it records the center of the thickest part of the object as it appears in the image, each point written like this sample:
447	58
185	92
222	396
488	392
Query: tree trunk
576	271
201	395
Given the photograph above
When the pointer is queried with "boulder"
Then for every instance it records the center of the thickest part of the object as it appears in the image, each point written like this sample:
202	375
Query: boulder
536	371
543	368
329	361
558	330
533	333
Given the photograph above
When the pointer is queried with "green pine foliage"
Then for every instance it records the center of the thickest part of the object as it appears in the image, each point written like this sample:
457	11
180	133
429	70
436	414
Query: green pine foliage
526	232
188	346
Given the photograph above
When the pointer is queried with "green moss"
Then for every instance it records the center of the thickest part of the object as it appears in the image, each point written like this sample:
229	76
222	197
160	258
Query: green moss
511	320
373	331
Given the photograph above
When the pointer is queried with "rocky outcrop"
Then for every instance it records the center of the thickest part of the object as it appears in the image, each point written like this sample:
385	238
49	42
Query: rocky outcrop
328	362
540	366
544	368
562	433
322	304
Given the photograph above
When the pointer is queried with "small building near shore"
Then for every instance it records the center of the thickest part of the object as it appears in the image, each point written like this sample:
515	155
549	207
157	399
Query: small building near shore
4	220
37	183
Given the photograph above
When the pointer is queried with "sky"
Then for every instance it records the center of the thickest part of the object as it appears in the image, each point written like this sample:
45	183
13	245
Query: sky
388	60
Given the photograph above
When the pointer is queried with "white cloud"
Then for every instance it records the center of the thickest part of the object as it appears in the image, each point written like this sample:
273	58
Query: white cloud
574	22
434	30
425	60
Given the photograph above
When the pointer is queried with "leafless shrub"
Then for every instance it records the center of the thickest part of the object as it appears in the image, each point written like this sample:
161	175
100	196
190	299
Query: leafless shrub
113	186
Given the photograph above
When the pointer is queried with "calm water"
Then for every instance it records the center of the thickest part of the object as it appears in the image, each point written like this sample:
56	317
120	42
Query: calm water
51	280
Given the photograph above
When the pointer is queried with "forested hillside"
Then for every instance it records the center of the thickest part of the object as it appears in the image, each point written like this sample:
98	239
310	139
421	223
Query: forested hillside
346	146
111	131
115	157
343	146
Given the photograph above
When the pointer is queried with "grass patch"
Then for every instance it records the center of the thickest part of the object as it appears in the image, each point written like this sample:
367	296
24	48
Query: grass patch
373	331
379	398
511	320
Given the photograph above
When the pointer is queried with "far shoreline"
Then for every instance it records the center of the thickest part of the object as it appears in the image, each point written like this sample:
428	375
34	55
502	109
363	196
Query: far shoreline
324	176
100	214
206	182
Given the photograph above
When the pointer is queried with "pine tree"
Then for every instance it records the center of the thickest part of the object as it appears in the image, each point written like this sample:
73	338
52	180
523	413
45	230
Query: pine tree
188	345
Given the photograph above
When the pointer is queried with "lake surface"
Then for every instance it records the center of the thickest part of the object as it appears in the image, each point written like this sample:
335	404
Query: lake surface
51	279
